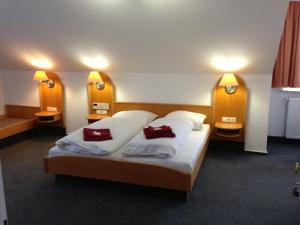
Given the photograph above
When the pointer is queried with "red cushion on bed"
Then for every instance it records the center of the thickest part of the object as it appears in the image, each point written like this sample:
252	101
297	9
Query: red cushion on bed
151	133
96	134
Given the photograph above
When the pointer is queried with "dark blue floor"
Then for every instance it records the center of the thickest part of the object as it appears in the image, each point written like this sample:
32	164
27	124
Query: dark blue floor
233	187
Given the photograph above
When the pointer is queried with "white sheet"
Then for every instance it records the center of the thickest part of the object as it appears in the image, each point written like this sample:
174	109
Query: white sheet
122	130
160	147
184	161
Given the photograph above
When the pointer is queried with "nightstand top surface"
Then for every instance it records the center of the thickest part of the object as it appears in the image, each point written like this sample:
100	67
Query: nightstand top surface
96	116
46	113
228	126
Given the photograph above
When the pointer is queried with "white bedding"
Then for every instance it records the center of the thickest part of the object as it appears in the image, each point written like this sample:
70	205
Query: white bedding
122	130
184	160
160	147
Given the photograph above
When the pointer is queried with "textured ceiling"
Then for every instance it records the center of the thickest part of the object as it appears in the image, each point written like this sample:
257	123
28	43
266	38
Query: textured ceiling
167	36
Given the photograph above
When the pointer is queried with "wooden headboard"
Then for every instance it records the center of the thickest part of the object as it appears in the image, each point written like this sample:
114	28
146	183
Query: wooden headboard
163	109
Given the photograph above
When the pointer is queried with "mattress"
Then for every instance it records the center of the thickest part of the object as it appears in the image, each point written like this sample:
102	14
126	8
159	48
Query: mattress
184	160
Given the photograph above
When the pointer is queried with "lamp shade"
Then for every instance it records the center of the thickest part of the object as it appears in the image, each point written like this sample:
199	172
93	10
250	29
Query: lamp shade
40	76
228	80
94	77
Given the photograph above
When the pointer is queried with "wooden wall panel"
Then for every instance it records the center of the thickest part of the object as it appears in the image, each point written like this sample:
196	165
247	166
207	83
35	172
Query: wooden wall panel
231	105
106	95
23	112
52	97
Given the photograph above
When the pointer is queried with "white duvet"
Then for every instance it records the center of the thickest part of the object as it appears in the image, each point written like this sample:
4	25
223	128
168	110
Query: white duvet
122	130
160	147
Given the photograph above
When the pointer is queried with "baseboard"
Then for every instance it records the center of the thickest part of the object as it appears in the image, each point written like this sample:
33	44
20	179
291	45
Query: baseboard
52	130
282	140
256	151
228	145
18	137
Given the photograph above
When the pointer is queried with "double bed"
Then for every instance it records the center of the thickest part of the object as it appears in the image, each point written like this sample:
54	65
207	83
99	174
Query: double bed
178	172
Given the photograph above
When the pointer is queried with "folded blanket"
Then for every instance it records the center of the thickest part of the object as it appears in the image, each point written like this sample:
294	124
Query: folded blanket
161	129
160	147
121	129
159	132
90	134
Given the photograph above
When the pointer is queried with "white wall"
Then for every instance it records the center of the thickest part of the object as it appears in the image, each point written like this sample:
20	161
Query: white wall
19	89
163	88
278	111
2	111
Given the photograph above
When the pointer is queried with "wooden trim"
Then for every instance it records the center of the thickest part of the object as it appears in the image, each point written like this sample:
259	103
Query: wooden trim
19	111
162	109
121	171
16	128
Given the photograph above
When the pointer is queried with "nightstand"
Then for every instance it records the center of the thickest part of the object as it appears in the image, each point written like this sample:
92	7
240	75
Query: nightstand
45	117
95	117
228	131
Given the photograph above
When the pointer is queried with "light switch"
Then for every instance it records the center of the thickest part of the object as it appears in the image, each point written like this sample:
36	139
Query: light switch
228	119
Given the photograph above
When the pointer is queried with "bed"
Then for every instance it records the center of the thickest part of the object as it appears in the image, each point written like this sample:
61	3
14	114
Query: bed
176	174
17	120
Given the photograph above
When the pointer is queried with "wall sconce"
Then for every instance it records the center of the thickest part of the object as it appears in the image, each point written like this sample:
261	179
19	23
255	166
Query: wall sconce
94	77
42	77
229	82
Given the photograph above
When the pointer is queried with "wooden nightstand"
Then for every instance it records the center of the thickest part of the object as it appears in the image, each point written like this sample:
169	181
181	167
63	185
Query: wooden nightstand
95	117
45	117
228	131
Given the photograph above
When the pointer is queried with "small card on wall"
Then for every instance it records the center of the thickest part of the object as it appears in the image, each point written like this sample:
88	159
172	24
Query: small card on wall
51	109
101	112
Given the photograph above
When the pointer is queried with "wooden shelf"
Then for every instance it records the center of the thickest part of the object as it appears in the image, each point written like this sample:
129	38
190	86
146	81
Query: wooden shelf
47	117
95	117
228	130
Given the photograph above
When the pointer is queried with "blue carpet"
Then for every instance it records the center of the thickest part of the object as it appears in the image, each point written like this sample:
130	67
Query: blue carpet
233	187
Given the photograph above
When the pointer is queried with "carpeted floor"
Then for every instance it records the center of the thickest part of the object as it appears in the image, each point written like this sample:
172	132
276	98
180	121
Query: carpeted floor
233	187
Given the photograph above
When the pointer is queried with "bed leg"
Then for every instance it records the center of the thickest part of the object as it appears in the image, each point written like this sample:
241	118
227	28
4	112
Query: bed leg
187	196
46	164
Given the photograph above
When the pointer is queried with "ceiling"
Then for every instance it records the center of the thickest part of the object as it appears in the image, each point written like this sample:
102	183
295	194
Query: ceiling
163	36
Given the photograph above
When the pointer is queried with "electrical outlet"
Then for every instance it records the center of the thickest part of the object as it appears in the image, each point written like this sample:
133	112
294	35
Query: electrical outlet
101	112
228	119
51	109
99	105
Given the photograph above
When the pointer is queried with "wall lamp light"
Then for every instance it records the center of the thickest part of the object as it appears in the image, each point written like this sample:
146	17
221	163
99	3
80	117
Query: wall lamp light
230	83
42	77
95	77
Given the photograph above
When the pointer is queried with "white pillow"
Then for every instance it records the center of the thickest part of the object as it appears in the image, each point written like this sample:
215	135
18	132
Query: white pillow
146	116
196	118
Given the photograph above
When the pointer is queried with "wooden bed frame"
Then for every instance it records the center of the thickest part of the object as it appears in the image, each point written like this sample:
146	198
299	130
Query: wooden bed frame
19	118
132	172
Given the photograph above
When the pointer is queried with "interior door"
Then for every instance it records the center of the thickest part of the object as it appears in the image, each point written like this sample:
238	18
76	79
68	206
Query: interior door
3	215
